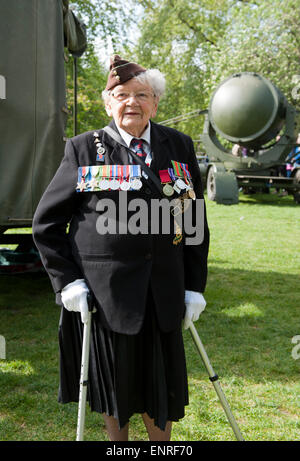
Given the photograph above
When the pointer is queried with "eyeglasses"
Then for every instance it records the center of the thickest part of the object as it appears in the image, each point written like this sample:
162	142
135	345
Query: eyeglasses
141	96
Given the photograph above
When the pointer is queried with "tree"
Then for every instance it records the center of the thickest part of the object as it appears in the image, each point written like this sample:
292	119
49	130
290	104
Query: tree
198	44
106	22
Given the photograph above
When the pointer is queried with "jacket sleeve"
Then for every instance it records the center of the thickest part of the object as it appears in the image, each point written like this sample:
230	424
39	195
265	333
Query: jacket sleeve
51	219
195	256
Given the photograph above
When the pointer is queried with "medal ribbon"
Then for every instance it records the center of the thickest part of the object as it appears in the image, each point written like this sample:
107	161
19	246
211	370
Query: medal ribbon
105	171
119	171
100	171
177	168
171	173
135	171
164	176
125	171
114	170
185	170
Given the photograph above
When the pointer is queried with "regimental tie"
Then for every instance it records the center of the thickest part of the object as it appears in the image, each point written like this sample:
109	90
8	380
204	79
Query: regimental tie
137	145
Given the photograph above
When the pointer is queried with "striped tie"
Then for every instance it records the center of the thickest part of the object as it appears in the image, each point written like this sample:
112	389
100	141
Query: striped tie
137	145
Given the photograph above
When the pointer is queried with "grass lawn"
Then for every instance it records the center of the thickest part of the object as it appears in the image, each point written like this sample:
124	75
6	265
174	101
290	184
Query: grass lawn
252	314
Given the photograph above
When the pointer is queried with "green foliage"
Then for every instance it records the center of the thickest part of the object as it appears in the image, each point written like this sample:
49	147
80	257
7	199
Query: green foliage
91	80
106	24
195	44
198	45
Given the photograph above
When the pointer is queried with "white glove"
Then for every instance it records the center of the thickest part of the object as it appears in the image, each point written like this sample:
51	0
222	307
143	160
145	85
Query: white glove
74	298
195	304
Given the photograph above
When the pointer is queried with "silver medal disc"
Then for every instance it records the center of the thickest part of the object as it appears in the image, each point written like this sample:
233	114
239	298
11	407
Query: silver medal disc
104	184
125	185
114	184
168	190
181	184
136	184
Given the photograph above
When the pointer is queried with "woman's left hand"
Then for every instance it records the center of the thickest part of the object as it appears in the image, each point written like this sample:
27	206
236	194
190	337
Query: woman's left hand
195	304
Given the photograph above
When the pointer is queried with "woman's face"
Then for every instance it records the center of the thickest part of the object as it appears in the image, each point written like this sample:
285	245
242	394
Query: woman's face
131	105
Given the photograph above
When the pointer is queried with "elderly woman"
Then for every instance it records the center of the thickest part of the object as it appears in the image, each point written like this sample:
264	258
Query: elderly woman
142	284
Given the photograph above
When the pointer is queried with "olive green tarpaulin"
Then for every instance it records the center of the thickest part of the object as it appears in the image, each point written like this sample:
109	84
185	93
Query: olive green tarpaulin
33	34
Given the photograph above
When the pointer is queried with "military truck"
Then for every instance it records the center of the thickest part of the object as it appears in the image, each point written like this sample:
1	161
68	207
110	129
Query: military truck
249	131
35	38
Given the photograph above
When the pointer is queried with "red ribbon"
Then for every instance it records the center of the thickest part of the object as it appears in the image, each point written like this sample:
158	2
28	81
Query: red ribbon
164	176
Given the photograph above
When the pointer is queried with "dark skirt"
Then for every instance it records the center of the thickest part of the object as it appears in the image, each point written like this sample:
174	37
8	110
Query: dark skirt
128	374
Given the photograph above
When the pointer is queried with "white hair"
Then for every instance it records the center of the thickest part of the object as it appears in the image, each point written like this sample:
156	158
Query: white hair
155	79
152	77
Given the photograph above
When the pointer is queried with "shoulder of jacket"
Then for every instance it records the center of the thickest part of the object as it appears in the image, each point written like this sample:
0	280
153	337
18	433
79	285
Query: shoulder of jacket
83	137
168	131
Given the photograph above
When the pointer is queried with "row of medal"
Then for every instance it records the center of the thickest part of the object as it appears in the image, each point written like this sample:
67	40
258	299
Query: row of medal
109	177
128	177
177	179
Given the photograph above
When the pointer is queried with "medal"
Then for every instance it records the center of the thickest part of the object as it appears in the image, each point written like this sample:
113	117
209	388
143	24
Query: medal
168	190
136	184
135	175
100	154
191	194
166	180
186	173
177	169
125	185
171	174
81	184
104	184
174	179
114	183
100	148
103	173
176	188
93	183
181	184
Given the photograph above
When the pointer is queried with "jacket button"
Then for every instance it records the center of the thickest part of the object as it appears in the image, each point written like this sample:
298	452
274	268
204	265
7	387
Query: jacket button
148	256
148	191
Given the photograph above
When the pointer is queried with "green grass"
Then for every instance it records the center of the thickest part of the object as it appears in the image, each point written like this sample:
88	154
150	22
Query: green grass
251	317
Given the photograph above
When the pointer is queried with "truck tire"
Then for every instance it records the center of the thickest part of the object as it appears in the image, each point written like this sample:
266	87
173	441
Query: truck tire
211	185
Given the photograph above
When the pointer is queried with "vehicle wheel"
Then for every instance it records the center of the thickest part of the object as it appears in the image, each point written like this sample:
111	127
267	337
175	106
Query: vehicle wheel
211	185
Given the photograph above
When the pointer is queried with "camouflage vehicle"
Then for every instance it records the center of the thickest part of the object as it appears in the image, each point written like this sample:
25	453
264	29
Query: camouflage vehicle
34	35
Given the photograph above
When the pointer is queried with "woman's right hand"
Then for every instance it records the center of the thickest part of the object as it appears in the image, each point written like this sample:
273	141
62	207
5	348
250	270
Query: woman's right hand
74	298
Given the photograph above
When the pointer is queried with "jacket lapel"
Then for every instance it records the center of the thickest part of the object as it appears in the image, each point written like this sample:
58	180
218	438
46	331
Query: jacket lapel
160	149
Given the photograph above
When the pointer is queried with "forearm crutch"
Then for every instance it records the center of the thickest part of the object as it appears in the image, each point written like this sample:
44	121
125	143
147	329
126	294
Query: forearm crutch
214	379
84	377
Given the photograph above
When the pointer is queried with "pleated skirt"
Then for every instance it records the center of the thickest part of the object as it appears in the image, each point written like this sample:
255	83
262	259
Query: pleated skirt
128	374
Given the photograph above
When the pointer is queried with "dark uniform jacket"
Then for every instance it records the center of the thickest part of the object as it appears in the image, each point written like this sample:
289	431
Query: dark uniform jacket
119	268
